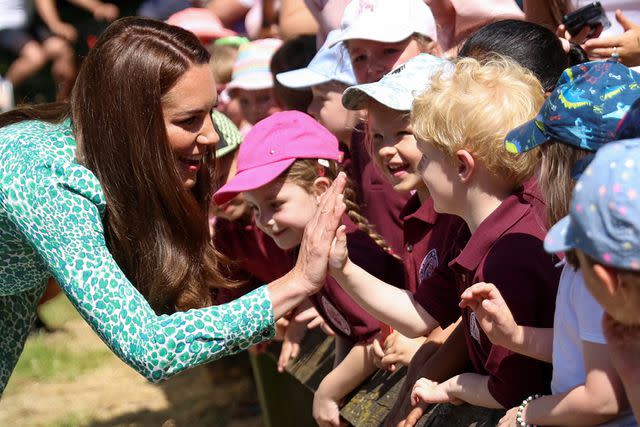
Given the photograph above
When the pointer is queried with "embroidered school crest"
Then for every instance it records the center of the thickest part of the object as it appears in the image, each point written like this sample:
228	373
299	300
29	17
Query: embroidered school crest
334	316
428	265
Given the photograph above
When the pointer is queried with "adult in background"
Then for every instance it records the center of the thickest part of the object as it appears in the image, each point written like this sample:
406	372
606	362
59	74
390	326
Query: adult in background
110	198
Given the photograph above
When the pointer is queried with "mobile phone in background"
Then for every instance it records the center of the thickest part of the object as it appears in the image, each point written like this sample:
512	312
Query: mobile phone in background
591	15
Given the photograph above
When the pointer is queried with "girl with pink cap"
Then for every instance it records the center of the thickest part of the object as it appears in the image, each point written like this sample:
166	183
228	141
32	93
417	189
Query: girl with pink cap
285	164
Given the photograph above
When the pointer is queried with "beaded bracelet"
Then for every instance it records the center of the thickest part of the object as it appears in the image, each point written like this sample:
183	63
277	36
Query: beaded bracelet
519	418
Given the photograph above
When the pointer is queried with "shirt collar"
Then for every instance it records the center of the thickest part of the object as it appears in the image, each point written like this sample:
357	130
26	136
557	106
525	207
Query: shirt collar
422	211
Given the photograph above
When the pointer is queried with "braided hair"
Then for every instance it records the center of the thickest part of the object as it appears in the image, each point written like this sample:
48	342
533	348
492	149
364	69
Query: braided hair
304	172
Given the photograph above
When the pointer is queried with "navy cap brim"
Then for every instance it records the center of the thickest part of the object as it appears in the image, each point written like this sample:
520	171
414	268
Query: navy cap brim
525	137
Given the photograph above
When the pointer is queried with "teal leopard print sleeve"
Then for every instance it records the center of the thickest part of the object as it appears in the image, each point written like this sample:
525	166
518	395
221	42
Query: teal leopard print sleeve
50	224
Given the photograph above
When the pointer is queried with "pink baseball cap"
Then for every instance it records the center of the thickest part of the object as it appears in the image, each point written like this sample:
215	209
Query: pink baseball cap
272	145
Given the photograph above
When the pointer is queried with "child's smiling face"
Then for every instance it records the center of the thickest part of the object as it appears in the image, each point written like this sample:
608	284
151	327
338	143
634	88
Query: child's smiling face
282	211
394	147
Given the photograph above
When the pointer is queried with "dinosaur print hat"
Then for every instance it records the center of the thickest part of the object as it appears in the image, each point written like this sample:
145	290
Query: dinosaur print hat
584	109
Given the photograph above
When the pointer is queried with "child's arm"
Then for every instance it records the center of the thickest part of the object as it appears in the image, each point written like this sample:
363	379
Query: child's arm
623	344
49	14
498	323
349	374
393	306
468	387
99	9
596	401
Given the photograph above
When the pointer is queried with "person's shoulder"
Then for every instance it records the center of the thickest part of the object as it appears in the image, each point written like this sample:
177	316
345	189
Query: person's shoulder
35	138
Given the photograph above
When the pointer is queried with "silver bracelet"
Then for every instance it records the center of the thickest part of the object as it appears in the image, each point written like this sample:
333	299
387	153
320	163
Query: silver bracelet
520	422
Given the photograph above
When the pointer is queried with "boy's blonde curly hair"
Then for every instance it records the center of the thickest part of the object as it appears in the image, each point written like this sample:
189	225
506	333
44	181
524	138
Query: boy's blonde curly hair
474	108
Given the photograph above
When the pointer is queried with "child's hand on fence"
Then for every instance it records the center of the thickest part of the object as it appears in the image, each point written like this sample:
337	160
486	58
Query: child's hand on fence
313	319
293	336
492	313
376	353
509	419
428	391
400	349
326	411
339	254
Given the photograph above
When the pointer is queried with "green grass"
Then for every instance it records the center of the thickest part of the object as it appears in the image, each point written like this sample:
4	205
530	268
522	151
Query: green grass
54	357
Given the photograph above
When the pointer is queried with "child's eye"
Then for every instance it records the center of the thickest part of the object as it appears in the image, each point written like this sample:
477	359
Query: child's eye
275	205
358	58
390	51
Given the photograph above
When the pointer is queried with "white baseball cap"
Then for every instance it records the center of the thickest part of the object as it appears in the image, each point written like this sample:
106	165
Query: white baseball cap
387	21
398	88
329	64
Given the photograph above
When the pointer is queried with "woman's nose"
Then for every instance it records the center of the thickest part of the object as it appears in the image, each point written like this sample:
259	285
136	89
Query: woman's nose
208	134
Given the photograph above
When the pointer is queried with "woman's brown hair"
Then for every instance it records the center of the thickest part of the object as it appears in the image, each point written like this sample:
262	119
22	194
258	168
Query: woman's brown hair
156	229
304	172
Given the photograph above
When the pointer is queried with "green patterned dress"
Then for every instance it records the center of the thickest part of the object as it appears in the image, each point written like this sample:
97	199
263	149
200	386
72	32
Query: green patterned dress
50	225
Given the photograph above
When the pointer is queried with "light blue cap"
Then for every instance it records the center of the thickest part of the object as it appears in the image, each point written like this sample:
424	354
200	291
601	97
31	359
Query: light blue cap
398	88
604	218
329	64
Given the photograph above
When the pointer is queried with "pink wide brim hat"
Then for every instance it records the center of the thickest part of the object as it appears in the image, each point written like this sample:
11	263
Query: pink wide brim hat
202	22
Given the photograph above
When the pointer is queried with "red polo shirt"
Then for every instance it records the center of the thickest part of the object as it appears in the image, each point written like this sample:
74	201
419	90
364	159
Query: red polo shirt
430	240
378	201
506	250
256	257
337	308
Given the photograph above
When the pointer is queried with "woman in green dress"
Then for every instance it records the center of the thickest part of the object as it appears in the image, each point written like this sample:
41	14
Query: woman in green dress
108	194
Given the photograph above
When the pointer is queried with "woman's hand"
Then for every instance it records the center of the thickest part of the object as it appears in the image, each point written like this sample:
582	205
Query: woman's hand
492	313
319	235
626	45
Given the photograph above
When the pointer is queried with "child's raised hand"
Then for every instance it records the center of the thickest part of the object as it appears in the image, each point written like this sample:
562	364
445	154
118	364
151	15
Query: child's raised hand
428	391
492	313
339	254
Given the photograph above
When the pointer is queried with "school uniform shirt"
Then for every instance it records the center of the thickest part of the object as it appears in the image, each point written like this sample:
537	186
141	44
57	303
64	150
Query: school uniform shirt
578	318
255	257
506	249
336	307
430	240
377	199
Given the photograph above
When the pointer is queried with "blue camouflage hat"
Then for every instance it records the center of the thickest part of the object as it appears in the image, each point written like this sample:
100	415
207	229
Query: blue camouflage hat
604	219
583	110
397	88
629	126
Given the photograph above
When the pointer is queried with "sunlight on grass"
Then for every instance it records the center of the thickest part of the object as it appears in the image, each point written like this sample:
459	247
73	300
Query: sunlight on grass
55	357
70	420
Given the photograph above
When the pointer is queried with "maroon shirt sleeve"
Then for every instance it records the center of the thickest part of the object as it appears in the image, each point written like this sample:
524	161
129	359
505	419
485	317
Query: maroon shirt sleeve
529	287
439	295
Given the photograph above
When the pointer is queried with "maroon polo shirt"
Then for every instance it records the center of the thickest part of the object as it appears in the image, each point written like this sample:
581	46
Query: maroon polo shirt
377	199
336	307
256	257
506	250
430	240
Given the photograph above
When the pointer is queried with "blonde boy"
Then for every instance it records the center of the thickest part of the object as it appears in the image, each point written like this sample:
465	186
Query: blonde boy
460	124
